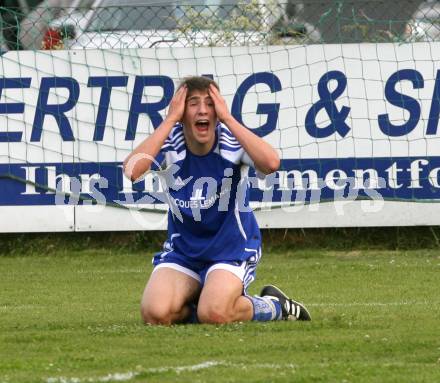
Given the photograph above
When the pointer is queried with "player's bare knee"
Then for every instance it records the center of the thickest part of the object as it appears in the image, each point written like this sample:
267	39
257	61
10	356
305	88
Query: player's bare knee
213	314
156	315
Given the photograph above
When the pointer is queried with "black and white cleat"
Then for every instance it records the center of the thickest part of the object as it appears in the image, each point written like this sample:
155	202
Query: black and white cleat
291	309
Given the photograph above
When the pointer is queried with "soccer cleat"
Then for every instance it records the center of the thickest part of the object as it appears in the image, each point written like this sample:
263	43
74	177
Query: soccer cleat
290	309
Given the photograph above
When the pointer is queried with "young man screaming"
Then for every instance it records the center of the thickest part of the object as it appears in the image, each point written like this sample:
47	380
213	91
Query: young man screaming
214	243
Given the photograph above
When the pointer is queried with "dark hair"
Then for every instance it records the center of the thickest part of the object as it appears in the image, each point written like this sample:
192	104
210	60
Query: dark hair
198	83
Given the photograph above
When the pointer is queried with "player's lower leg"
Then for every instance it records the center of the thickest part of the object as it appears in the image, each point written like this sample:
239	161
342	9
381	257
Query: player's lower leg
265	309
273	304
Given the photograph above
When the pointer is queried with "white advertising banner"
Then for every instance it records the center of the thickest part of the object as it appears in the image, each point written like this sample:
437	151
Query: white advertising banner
355	126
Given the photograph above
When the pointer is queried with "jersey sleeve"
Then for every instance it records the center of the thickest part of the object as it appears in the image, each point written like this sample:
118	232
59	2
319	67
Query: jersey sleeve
173	149
248	161
234	152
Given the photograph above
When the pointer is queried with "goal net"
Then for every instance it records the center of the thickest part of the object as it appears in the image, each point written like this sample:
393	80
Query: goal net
348	93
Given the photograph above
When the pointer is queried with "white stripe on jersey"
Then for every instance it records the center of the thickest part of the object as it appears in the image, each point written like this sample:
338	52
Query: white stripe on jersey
172	156
174	146
231	155
175	138
229	141
239	224
230	148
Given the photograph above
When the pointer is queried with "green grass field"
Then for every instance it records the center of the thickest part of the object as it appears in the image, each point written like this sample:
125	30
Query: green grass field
73	316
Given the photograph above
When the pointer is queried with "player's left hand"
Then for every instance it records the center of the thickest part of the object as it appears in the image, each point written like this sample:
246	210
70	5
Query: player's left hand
221	108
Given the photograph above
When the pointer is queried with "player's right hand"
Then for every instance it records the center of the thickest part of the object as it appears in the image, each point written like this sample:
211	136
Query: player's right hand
177	105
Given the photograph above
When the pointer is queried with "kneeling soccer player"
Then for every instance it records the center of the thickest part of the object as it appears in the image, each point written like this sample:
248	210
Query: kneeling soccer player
214	243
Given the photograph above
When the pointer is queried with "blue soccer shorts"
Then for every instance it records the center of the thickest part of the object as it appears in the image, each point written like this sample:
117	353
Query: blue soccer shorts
199	270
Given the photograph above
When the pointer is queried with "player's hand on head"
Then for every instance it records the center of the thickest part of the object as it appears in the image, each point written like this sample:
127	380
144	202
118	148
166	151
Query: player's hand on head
221	108
177	105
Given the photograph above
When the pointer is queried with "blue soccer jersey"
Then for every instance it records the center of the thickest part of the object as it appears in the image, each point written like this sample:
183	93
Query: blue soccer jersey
209	218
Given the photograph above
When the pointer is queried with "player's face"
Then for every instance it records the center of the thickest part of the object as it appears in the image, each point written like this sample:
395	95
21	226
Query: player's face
200	119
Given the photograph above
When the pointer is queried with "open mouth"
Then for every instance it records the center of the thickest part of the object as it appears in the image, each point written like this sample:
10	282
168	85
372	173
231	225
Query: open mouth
202	125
